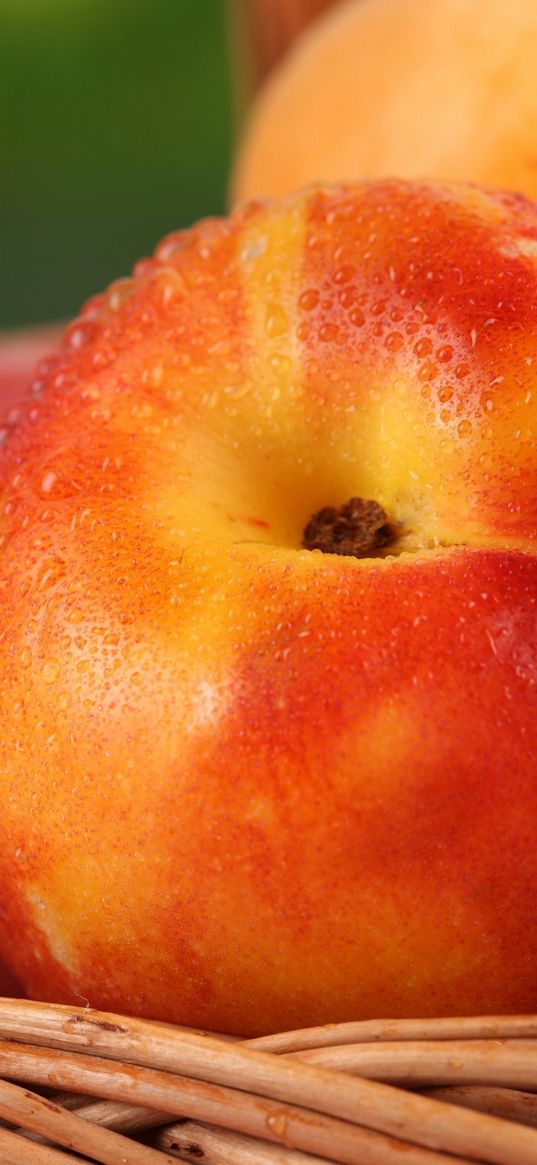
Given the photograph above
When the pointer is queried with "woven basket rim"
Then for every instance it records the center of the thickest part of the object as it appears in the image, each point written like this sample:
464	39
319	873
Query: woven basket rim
119	1088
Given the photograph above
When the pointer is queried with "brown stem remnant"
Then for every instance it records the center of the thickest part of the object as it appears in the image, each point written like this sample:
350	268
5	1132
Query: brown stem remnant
357	528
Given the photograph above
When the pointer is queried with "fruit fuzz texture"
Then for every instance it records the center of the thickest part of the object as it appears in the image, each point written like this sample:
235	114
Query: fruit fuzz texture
248	784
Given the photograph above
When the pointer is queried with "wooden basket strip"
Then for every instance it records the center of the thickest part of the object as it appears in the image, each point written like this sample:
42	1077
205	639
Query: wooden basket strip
501	1101
509	1103
506	1063
365	1031
367	1103
378	1150
195	1142
15	1150
124	1118
237	1110
41	1115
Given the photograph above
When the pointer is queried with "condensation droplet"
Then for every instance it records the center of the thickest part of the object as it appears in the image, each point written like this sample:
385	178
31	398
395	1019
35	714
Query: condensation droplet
328	333
78	334
344	274
51	670
276	322
423	348
428	371
51	571
347	297
309	299
119	292
48	481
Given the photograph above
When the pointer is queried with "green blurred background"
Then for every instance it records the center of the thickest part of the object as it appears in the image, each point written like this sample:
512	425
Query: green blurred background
115	128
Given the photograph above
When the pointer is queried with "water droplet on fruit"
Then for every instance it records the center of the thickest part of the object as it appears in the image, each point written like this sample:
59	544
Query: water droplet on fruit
48	481
171	246
253	249
464	428
423	348
51	670
309	299
328	333
347	297
428	371
25	657
445	393
394	341
444	354
111	639
119	292
78	334
344	274
276	322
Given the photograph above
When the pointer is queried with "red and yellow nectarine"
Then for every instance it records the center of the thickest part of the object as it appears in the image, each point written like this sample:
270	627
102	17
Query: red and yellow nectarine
248	783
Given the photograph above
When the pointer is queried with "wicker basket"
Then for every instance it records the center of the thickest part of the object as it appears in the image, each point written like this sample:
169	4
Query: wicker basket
79	1084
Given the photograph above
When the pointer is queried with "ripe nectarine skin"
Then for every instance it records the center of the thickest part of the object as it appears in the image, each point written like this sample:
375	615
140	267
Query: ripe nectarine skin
8	984
249	785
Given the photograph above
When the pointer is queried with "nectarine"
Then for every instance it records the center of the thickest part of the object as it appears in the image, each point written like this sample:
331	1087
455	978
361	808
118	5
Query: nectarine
8	984
268	656
413	88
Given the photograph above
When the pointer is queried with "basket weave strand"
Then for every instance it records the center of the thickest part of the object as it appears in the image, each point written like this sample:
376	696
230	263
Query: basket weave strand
305	1098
